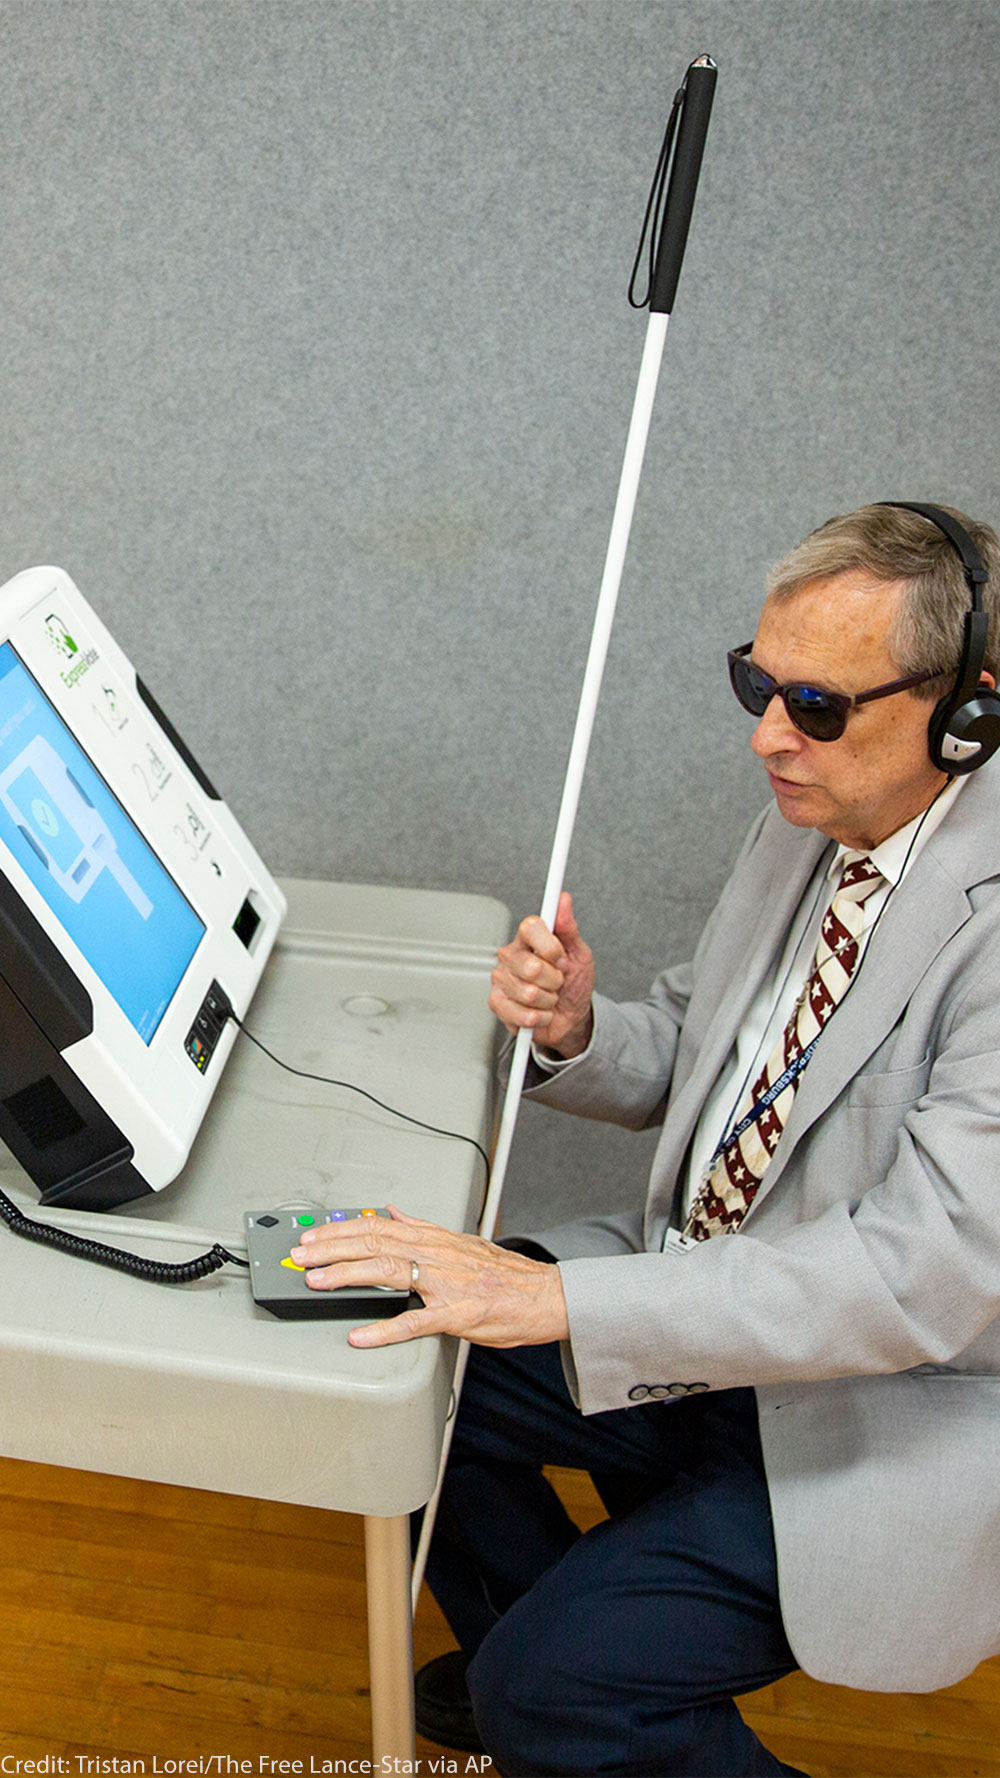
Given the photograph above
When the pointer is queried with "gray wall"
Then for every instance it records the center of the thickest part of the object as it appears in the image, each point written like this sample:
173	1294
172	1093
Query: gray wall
317	366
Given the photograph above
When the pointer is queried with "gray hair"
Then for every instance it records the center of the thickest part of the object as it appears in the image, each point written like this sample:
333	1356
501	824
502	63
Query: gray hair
892	544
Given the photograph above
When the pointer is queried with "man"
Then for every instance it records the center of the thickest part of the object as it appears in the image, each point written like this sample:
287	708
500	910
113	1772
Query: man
783	1374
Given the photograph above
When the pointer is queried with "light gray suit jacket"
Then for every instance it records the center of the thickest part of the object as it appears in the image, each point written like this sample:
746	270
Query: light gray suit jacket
861	1296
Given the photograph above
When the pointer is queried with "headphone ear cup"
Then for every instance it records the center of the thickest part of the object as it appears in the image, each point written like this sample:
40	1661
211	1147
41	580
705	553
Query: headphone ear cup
964	733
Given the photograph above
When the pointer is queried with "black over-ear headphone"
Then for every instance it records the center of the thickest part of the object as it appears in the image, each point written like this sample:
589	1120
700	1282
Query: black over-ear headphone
964	731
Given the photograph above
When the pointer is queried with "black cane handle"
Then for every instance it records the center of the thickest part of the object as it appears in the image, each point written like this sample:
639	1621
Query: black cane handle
692	129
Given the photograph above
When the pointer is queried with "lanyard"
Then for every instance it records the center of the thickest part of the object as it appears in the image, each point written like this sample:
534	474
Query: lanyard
767	1099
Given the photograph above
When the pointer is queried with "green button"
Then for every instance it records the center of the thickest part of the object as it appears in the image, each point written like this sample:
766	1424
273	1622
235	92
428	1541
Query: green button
305	1222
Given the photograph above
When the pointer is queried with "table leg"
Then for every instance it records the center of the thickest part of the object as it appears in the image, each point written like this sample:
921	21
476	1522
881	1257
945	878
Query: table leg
390	1637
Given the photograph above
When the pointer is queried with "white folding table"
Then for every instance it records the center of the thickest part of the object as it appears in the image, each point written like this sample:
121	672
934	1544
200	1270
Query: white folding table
195	1384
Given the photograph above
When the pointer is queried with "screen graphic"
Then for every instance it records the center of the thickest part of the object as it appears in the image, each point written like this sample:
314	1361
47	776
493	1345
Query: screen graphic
73	839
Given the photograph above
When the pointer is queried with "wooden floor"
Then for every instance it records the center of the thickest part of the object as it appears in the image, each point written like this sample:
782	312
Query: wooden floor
144	1623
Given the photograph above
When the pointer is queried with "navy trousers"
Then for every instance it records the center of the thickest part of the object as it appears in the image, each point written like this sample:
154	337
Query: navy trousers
617	1651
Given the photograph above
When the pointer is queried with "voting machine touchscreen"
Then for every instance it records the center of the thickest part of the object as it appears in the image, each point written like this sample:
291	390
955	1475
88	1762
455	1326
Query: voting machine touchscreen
134	912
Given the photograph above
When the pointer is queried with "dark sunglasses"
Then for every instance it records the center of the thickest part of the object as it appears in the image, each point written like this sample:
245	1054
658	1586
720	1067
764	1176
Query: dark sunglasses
822	715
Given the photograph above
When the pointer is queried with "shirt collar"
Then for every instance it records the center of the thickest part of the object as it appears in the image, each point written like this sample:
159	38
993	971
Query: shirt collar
894	856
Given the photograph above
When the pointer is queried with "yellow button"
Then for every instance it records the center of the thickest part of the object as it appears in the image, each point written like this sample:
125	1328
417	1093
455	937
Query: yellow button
369	1212
292	1267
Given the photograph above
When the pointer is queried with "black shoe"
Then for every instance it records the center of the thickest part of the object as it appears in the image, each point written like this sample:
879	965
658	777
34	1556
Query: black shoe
443	1706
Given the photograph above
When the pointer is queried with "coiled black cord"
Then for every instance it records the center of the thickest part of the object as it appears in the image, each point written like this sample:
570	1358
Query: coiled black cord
157	1271
187	1271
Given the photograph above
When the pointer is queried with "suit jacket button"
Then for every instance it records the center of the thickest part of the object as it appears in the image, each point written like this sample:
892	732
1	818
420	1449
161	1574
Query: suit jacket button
639	1393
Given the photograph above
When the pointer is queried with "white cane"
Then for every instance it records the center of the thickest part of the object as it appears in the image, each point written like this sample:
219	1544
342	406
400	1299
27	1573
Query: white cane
672	200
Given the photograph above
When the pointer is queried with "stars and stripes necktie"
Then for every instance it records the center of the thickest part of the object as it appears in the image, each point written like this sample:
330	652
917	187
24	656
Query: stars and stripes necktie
733	1175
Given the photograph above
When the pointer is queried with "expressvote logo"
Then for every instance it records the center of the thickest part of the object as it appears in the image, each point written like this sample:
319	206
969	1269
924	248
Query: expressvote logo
64	645
60	637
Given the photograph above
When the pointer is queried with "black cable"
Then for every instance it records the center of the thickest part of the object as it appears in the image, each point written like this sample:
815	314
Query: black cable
327	1081
156	1271
188	1271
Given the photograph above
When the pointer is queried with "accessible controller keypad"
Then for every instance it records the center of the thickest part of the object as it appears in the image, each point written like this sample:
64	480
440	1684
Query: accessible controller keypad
279	1284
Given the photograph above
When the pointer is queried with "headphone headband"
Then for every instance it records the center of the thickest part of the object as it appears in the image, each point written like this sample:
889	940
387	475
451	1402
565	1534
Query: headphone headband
976	571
